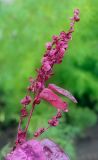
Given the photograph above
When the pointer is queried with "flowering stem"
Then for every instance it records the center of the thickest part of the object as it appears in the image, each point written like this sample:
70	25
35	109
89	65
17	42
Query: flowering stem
29	118
19	126
54	54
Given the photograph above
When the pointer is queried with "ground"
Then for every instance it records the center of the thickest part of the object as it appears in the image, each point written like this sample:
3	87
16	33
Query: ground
87	146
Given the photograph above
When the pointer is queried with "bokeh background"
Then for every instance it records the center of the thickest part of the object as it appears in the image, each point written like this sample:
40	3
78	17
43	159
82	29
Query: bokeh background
25	27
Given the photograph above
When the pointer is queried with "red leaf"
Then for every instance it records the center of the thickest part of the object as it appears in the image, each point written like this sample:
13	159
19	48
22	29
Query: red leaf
53	99
37	150
62	91
30	150
52	151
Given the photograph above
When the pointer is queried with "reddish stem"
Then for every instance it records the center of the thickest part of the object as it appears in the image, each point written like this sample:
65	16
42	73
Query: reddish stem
29	118
19	125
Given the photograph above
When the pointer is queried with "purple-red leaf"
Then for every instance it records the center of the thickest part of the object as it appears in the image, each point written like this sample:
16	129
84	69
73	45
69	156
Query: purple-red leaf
30	150
53	99
52	151
62	91
37	150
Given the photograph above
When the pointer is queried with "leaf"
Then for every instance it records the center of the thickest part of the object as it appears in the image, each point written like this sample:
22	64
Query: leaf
31	150
62	91
52	151
53	99
37	150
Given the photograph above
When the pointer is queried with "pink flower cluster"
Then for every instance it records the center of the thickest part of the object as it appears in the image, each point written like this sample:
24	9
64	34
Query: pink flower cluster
54	54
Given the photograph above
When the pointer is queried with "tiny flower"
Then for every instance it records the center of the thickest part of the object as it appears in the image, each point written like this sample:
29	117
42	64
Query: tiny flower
46	66
36	134
76	15
69	36
39	132
21	136
38	85
62	51
63	35
31	88
59	115
59	60
26	100
76	18
49	45
54	37
44	59
37	100
72	24
53	122
76	11
65	46
52	52
31	80
24	112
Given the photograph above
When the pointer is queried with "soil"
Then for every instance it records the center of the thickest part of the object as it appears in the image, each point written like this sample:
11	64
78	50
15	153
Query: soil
87	145
7	135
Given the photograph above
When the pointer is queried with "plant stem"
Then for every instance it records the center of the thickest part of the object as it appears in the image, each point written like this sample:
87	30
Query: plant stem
29	118
19	126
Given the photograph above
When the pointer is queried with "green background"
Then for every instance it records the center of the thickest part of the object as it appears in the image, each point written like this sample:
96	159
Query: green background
25	27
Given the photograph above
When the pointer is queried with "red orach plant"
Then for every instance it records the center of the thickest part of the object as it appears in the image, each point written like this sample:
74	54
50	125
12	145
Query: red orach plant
54	54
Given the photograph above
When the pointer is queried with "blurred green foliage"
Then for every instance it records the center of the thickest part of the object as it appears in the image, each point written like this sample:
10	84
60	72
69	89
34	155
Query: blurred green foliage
6	149
25	26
